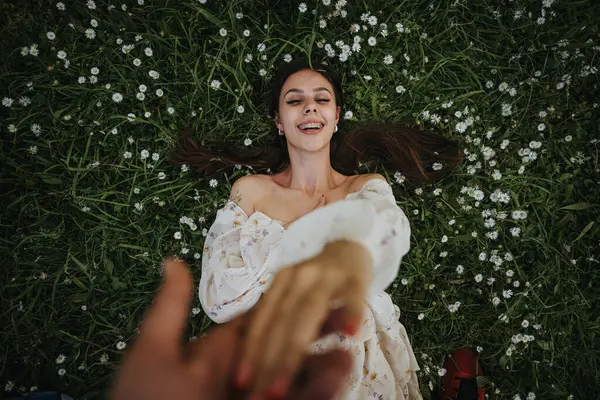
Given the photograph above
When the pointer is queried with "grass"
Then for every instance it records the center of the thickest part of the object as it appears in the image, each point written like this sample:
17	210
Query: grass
81	261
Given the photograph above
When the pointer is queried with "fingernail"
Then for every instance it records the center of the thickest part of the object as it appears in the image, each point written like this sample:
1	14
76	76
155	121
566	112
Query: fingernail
279	388
244	375
351	327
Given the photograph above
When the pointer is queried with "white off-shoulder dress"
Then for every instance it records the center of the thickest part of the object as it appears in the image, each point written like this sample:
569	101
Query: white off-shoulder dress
242	254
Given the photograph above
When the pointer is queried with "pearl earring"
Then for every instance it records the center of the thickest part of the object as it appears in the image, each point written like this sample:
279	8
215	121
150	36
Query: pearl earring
336	128
280	133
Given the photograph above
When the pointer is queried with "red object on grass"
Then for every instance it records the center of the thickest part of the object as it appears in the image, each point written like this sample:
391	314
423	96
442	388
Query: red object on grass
460	382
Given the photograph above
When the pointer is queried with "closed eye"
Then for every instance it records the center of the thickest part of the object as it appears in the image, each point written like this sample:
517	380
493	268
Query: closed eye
298	101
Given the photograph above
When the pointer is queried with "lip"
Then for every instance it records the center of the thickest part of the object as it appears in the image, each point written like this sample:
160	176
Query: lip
312	132
316	121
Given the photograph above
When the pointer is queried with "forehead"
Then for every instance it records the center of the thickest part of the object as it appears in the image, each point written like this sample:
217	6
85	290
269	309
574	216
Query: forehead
306	80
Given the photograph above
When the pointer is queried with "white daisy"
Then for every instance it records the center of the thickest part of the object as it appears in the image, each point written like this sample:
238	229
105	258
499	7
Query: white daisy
154	74
61	54
461	126
7	102
36	129
148	51
137	62
117	97
51	35
90	33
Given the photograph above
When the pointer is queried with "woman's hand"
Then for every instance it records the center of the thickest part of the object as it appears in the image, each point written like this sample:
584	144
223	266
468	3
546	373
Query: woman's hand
292	312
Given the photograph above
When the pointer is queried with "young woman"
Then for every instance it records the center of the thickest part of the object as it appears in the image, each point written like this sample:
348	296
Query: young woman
317	237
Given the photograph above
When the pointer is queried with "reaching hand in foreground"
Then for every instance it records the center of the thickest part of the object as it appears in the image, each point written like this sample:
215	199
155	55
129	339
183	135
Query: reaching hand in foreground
291	313
159	366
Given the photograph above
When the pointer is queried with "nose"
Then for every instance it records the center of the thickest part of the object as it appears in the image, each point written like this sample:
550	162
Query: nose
310	108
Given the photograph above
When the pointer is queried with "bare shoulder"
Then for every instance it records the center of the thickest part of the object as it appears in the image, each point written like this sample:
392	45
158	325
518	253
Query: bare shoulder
360	180
245	191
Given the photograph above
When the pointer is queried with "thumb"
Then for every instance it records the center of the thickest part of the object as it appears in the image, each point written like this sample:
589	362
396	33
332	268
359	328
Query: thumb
165	321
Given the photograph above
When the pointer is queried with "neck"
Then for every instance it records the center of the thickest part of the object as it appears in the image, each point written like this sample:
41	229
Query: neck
310	173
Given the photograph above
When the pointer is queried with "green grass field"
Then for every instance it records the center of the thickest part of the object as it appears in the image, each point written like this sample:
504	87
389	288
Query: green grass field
505	250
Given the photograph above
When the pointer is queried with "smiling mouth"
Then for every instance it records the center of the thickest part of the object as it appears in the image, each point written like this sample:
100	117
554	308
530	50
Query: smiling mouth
311	128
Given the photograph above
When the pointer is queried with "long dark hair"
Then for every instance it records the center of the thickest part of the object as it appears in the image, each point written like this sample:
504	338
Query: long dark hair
397	146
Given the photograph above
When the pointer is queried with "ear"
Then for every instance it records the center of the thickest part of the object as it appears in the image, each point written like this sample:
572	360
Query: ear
278	122
337	114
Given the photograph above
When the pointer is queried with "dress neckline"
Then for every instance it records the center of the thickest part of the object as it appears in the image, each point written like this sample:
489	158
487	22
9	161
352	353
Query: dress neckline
280	223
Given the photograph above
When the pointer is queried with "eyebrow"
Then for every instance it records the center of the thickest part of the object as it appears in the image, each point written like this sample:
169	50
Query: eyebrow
319	89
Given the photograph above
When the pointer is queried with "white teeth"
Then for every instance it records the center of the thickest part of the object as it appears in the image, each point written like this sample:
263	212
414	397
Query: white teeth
311	125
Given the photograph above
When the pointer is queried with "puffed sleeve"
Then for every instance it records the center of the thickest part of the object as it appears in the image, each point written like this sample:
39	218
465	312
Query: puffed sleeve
235	263
370	217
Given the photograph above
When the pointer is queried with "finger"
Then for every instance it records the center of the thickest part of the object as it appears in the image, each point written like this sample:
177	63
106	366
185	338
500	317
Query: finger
322	376
356	291
276	333
257	326
165	320
302	329
211	359
321	202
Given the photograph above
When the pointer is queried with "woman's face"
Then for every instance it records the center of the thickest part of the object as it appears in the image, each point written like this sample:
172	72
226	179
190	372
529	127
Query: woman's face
307	96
